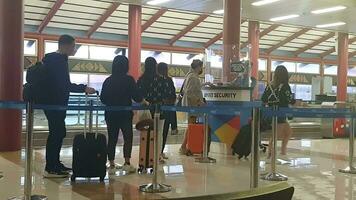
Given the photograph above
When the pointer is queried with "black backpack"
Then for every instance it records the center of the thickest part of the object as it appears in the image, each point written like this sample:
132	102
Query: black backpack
35	89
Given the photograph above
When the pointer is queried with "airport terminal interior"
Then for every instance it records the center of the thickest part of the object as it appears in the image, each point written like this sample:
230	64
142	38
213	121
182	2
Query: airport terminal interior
314	39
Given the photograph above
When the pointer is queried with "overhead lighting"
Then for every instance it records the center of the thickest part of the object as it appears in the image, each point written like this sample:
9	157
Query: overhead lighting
219	12
283	18
156	2
263	2
326	10
330	25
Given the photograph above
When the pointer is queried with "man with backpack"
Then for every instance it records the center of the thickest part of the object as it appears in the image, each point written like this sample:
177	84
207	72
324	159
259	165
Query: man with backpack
57	93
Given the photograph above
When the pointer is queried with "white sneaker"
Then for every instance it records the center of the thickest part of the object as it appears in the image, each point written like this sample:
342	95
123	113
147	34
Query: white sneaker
129	168
113	168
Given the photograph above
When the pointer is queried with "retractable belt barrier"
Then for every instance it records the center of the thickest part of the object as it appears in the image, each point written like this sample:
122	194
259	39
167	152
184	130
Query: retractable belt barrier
257	108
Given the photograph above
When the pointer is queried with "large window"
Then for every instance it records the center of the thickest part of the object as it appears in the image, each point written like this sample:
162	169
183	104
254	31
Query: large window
308	68
262	65
291	66
96	81
51	47
185	59
30	47
81	51
303	92
330	70
102	53
351	71
216	61
159	56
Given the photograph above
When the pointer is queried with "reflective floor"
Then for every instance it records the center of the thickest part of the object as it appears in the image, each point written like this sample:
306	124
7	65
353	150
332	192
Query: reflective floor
312	167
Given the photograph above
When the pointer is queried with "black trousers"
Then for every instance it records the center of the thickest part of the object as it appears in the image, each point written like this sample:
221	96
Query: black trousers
170	120
114	126
57	132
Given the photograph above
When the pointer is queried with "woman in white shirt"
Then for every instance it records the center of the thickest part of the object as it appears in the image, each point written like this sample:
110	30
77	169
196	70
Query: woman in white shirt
192	96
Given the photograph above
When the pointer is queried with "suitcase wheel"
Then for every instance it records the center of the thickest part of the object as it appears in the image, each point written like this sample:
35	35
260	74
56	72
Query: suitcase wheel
102	178
151	171
72	178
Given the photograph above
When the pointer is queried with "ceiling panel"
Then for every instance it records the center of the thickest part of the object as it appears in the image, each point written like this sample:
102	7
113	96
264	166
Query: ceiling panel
71	7
206	30
34	16
114	25
189	39
159	30
156	35
75	14
113	31
170	26
200	35
72	20
68	26
314	51
174	21
39	10
91	3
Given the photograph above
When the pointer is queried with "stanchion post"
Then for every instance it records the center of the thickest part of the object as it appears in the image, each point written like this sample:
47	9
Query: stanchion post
28	162
155	187
205	158
351	169
255	148
79	111
273	175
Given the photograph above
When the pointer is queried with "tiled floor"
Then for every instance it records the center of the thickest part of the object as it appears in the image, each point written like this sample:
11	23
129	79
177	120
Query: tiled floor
313	171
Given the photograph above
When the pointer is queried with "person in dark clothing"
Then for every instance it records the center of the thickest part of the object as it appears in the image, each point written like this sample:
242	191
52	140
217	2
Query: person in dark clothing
119	90
154	88
279	93
170	116
58	94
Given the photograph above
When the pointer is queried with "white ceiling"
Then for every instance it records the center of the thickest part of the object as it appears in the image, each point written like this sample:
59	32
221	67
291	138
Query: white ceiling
280	8
81	15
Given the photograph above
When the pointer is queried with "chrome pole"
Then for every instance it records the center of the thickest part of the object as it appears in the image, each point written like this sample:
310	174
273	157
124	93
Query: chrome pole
255	148
155	187
351	169
28	159
79	111
205	157
273	175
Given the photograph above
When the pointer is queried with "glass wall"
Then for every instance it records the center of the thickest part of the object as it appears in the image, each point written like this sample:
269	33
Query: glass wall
30	47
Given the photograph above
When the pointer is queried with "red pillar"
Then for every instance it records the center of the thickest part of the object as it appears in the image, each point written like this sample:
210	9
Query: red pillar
254	40
134	40
269	69
11	68
343	47
40	48
231	35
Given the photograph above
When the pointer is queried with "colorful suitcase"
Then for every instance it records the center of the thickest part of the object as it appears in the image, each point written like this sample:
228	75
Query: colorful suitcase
89	151
195	139
146	151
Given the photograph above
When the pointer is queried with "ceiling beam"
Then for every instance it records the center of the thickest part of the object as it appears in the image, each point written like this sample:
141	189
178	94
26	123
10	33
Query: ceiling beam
352	54
288	39
109	11
217	37
197	21
332	50
328	52
152	20
50	15
263	33
315	43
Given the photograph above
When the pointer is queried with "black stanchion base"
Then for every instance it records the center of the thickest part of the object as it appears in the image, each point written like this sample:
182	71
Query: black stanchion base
155	188
33	197
275	177
348	170
205	160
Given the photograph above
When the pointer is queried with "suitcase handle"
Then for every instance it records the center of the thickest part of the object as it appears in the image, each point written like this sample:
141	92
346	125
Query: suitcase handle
91	104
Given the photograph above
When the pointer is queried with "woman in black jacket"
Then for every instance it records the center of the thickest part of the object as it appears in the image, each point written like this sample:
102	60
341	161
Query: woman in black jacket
119	90
154	87
279	93
170	116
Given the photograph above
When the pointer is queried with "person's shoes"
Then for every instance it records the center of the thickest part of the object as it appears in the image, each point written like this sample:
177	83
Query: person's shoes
129	168
56	174
61	167
164	156
113	168
174	132
182	151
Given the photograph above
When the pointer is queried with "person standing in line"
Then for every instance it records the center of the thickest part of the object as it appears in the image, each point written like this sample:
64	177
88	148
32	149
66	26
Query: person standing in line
192	96
170	116
154	89
119	90
60	86
279	93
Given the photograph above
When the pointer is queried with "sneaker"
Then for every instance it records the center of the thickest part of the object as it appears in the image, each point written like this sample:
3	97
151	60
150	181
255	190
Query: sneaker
129	168
56	174
164	156
113	168
64	168
174	132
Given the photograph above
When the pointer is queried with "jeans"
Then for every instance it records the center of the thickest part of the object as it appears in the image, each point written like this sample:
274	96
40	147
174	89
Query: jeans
170	119
114	126
57	132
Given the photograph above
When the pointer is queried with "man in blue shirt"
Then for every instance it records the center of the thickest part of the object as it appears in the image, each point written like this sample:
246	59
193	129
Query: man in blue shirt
59	87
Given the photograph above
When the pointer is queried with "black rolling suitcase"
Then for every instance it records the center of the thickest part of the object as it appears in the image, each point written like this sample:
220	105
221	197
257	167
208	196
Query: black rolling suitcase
89	151
243	141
